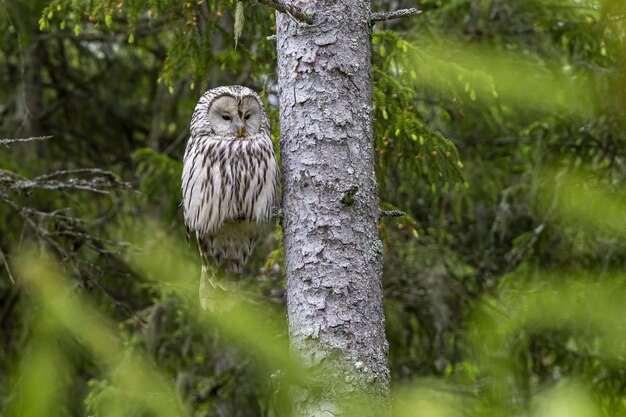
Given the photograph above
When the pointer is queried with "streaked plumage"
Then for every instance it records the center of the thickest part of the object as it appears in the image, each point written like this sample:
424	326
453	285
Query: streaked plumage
230	177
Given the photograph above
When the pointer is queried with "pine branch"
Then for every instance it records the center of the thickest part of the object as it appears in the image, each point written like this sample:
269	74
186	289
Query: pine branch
377	17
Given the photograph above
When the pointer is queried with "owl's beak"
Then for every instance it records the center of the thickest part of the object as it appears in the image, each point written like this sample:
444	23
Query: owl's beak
240	132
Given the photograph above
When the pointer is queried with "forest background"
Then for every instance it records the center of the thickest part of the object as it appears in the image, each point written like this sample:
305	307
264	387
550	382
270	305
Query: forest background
499	129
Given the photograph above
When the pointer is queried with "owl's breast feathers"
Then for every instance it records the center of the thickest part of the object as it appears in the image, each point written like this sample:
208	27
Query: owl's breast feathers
228	180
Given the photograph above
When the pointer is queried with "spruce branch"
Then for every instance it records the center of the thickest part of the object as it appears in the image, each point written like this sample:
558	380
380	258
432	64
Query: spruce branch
285	6
392	213
377	17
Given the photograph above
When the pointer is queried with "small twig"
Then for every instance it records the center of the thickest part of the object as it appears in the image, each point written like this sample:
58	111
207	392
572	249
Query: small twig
6	266
287	8
271	38
57	185
94	171
7	142
392	213
377	17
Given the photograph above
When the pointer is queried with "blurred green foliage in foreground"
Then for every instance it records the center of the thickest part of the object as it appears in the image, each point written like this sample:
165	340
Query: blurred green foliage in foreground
499	129
588	310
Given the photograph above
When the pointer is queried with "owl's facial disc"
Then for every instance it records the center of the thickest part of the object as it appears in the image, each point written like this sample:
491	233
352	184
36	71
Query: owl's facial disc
224	117
235	117
250	114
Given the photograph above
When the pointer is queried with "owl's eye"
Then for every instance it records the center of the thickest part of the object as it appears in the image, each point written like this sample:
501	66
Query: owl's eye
247	116
225	117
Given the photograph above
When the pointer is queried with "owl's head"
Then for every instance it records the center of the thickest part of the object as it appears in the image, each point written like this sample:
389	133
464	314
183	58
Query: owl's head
231	112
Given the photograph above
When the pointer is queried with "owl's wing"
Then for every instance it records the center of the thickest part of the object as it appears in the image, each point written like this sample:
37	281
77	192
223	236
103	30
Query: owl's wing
207	183
258	189
225	179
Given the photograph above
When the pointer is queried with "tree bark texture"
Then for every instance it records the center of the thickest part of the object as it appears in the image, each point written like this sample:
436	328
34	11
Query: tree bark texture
330	209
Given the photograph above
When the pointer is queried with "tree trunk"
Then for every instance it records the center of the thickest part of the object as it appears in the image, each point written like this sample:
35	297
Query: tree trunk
330	210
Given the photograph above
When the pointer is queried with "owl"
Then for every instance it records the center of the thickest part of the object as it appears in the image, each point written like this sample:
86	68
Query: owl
229	182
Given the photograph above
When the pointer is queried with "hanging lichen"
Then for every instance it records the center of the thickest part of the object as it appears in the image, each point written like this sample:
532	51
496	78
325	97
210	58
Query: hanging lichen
239	21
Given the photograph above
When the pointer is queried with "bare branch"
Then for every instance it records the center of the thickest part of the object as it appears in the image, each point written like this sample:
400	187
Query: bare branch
93	171
58	185
7	142
27	214
101	181
64	226
6	173
285	6
50	226
392	213
377	17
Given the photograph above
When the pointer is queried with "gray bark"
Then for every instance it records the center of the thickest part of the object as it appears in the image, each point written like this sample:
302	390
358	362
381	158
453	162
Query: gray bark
331	209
